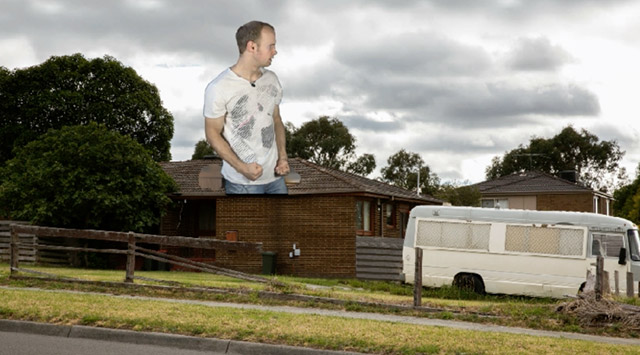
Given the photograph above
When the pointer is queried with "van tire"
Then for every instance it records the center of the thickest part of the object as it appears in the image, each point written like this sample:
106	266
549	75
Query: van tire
471	282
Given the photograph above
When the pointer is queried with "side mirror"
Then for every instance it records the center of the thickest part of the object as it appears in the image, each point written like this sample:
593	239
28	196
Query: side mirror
622	257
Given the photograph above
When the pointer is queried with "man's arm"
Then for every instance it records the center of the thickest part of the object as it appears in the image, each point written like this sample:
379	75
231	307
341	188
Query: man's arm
282	166
213	131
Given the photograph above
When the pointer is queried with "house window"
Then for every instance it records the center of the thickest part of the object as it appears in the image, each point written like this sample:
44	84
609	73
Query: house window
389	216
206	218
596	205
495	203
363	218
404	220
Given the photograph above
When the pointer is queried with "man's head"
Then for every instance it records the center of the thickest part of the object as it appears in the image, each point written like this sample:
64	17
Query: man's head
251	32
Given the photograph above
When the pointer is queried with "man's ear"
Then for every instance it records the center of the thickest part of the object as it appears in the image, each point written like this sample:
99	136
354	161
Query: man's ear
251	46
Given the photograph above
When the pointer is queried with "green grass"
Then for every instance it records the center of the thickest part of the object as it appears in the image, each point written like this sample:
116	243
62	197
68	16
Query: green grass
454	303
278	328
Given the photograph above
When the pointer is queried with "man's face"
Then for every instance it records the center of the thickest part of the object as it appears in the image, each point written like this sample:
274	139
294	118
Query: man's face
266	47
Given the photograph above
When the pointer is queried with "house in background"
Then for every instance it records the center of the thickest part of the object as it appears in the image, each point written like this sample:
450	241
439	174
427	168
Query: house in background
312	230
534	190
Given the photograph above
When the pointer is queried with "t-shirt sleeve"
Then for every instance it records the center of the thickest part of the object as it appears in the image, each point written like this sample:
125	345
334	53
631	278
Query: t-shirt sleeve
214	105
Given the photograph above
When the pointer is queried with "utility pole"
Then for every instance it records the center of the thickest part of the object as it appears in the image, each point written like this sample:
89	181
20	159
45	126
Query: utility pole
418	182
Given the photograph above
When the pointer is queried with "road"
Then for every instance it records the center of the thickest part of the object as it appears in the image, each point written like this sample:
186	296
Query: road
29	344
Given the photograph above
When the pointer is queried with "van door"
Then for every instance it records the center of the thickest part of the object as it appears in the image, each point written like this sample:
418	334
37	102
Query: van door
608	245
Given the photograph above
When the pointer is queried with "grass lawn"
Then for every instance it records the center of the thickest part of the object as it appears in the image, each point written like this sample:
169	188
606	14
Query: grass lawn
294	329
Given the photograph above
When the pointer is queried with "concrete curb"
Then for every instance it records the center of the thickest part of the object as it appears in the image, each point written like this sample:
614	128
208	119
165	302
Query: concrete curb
159	339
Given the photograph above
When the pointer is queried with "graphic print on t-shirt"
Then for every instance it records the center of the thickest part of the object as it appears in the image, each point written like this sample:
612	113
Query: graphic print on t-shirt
248	120
242	125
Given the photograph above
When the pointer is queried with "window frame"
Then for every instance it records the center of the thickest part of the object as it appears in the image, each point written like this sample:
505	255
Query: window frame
359	230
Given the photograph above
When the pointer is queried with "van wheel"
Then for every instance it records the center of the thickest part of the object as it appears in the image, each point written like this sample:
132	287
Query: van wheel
471	282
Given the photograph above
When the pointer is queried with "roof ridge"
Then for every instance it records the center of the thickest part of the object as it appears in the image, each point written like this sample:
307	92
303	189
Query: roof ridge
356	179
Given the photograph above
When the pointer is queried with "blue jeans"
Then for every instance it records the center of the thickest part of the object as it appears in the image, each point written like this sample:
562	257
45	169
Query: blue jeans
277	187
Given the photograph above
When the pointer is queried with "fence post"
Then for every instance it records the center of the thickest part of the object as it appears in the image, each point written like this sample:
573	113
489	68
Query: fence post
616	281
417	284
131	257
630	284
599	277
14	251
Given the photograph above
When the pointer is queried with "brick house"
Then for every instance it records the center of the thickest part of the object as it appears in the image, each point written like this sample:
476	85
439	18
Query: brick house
534	190
322	215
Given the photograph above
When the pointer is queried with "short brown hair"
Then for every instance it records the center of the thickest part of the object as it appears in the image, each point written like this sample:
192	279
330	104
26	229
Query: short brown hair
250	31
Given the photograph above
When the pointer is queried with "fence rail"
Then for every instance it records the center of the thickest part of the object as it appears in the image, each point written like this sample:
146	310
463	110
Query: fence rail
18	233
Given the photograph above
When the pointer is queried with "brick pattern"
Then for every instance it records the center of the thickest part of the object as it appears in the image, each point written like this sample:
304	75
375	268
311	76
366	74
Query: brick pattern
322	227
567	202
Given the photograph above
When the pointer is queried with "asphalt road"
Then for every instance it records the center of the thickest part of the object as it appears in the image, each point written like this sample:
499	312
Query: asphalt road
30	344
23	337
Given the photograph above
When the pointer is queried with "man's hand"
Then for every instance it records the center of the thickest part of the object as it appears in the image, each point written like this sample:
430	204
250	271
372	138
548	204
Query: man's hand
252	171
282	167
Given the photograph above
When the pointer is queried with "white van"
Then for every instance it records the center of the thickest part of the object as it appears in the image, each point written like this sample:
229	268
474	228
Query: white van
520	252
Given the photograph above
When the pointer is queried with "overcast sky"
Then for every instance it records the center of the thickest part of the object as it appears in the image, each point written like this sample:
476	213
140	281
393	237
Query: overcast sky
457	81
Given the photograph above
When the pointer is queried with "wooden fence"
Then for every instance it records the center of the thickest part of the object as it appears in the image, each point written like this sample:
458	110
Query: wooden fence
27	252
20	234
379	258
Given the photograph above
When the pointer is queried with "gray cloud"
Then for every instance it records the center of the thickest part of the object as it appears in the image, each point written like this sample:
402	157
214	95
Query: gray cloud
369	125
506	100
537	54
413	55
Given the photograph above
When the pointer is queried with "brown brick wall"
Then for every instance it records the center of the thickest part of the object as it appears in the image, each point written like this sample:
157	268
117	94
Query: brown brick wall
322	227
568	202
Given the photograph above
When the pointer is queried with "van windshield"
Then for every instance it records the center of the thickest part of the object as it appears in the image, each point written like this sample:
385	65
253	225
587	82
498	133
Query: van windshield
634	245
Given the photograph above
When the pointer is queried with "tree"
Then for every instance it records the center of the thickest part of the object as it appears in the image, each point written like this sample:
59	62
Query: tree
327	142
459	195
402	171
202	149
85	177
324	141
595	162
71	90
626	203
363	166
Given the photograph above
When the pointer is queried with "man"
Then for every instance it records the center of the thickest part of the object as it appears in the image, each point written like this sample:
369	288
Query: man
242	116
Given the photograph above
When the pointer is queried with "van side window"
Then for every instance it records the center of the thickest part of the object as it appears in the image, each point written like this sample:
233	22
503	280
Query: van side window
607	245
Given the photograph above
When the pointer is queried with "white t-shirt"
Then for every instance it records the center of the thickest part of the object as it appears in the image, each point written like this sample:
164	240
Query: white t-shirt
248	125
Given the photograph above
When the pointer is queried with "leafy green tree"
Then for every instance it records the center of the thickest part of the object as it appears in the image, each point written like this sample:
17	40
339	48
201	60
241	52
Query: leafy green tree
596	162
85	177
202	149
626	203
363	166
459	195
327	142
324	141
71	90
402	171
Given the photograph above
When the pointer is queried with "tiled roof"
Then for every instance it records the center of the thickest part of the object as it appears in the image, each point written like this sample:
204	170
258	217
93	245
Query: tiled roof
315	179
530	182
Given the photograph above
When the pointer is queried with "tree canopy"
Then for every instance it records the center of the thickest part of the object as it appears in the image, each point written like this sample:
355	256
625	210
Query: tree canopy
327	142
402	171
595	162
85	177
71	90
459	195
626	203
202	149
